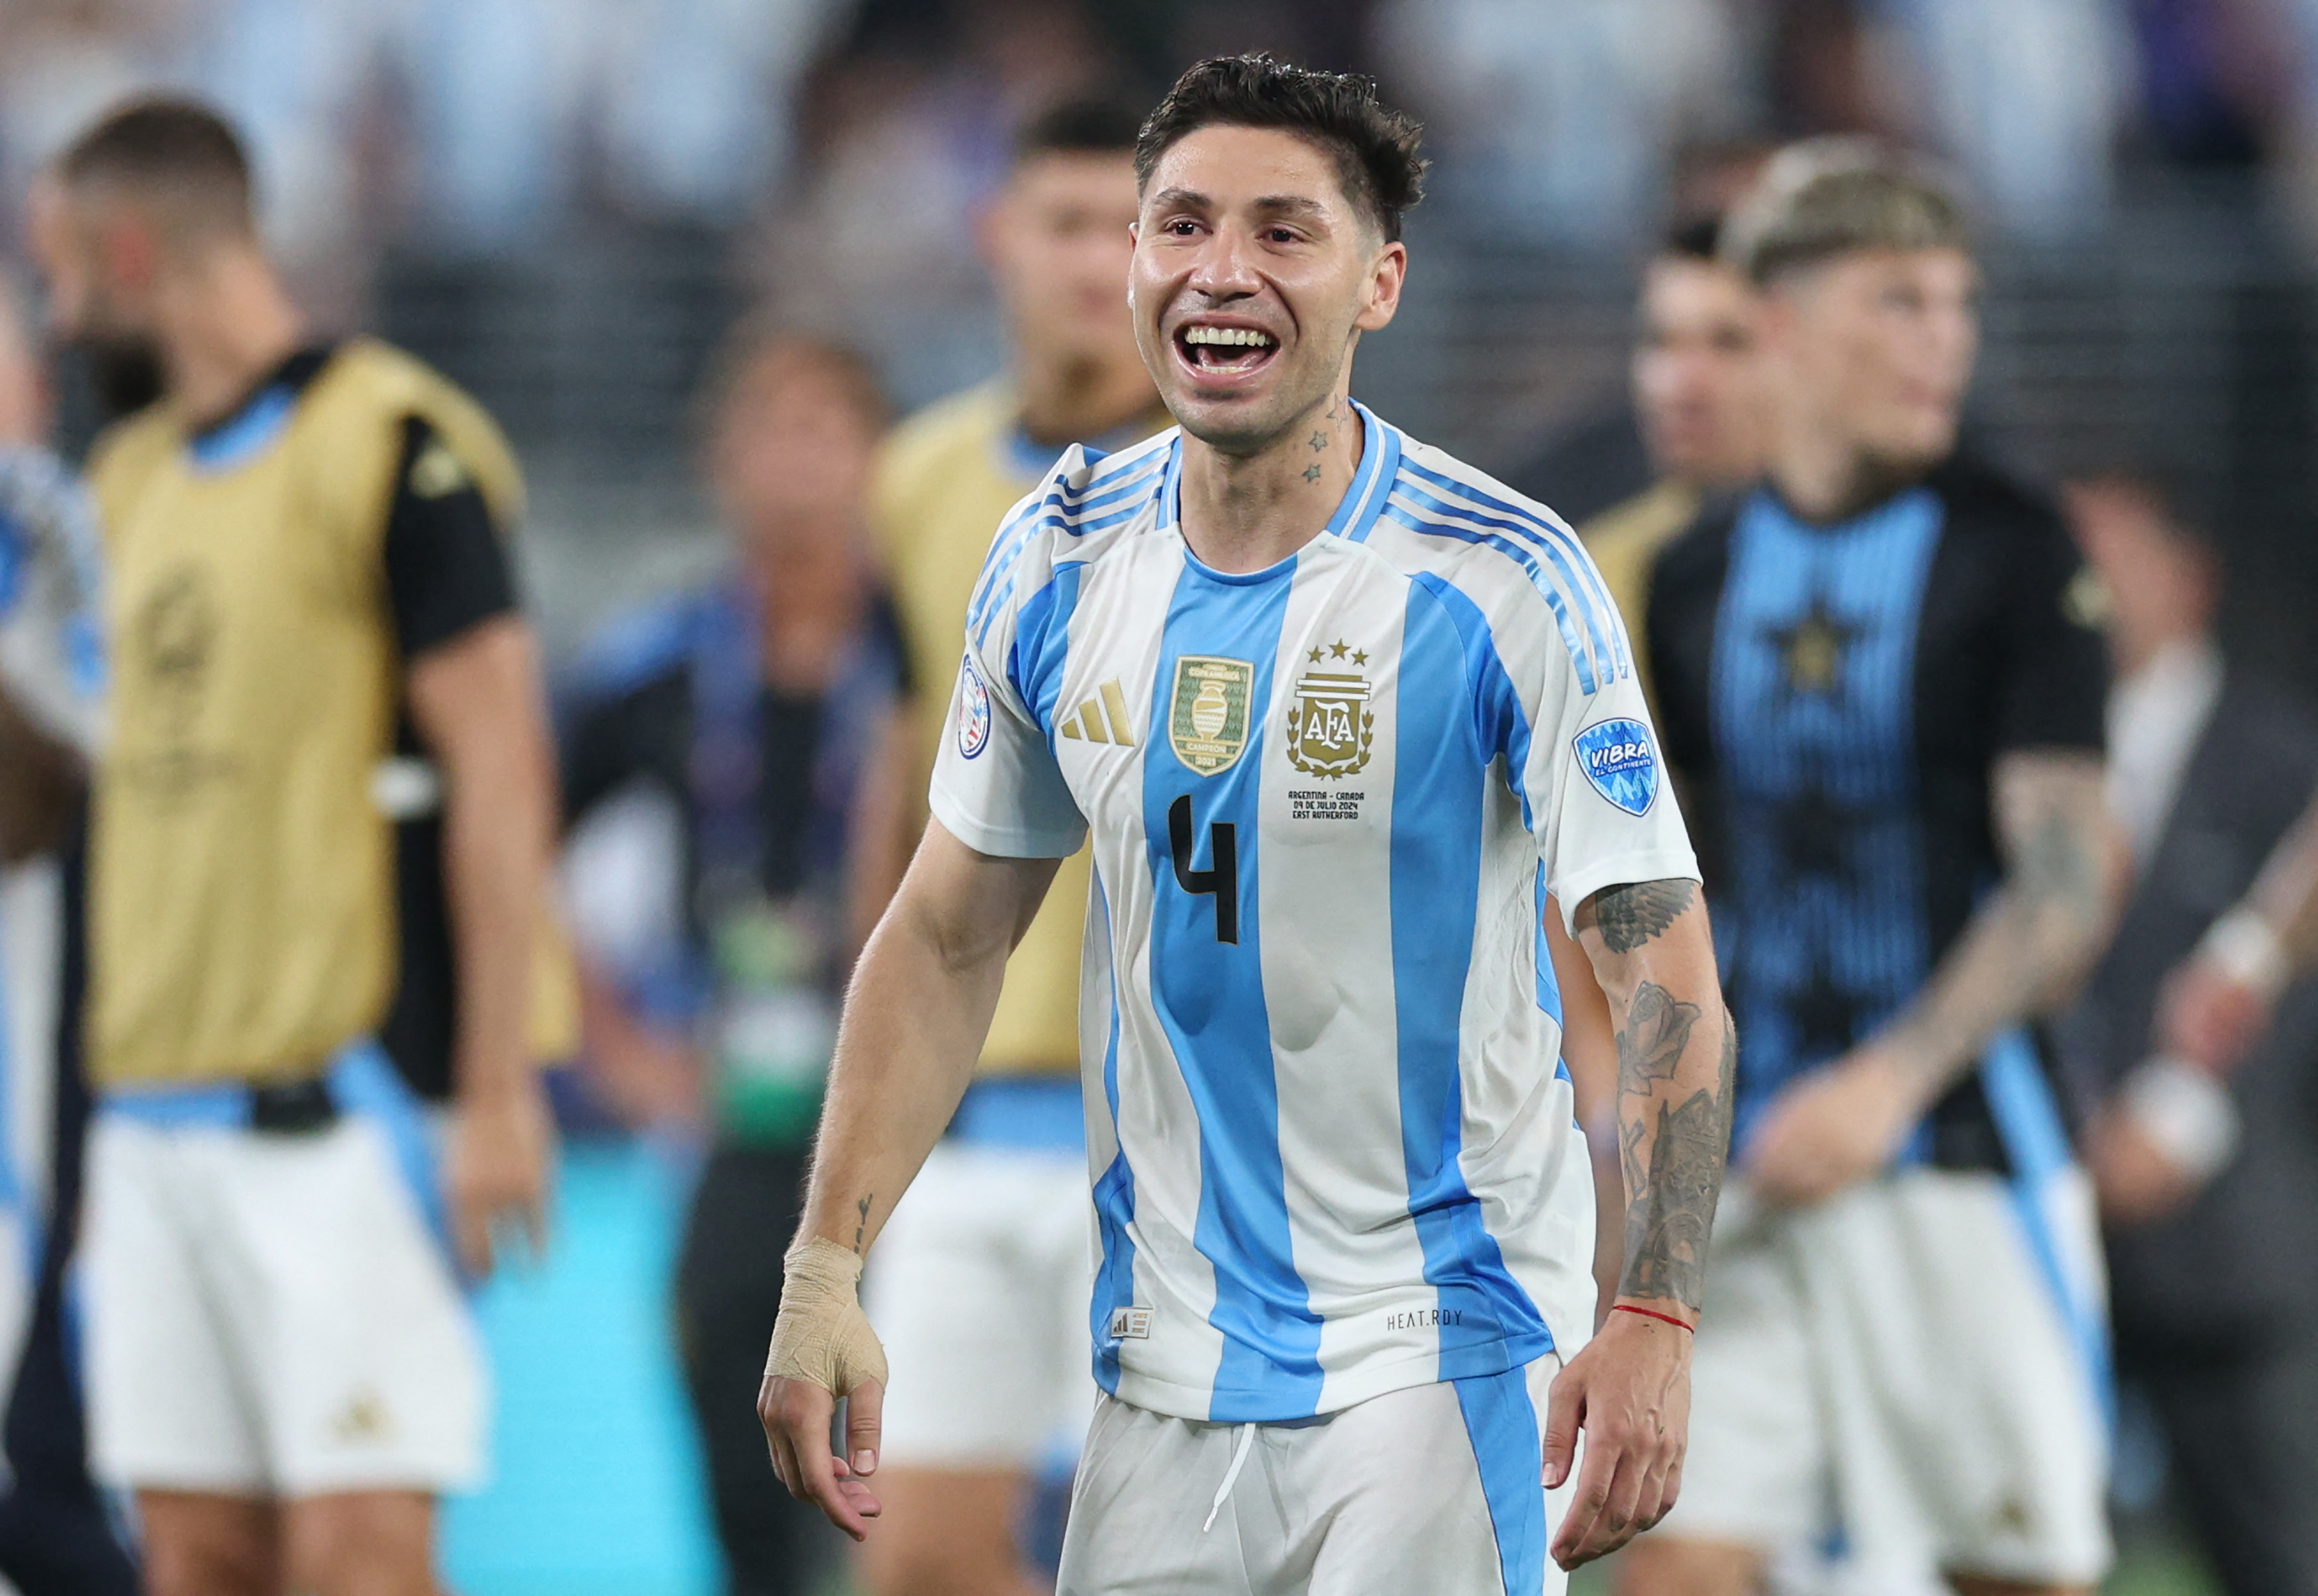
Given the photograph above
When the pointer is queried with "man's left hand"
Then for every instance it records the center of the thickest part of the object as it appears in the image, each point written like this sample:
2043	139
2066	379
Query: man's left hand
1629	1390
1833	1128
496	1171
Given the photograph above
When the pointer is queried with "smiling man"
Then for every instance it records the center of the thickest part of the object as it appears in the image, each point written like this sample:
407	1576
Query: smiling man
1338	712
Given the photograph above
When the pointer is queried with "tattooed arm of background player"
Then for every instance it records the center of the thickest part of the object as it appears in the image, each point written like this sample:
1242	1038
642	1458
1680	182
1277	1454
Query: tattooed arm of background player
1628	1389
915	1017
2022	953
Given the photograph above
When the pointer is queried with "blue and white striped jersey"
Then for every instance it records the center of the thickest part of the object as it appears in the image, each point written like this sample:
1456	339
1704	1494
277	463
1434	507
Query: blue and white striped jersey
1333	1154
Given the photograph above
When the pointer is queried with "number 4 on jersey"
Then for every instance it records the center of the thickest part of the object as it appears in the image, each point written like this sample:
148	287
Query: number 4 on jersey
1221	878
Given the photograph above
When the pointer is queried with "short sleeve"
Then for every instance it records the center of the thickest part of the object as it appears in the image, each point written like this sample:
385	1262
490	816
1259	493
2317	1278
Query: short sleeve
1596	788
2055	690
446	565
996	784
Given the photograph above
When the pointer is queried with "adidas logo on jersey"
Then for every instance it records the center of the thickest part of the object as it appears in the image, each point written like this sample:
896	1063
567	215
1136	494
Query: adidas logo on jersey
1102	718
1130	1324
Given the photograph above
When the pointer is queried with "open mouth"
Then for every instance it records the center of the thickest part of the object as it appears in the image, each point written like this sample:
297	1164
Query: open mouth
1225	351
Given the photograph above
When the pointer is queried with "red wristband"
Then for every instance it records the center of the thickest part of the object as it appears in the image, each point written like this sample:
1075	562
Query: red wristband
1653	1314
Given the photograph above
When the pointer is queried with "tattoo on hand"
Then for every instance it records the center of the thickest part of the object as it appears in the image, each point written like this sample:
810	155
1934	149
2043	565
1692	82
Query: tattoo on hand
861	1211
1629	916
1672	1160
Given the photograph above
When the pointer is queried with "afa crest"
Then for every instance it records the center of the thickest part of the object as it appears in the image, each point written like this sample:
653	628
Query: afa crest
1208	712
1332	731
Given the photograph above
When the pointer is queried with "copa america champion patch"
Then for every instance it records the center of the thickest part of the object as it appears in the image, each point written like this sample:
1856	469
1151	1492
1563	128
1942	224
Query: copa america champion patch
973	710
1622	760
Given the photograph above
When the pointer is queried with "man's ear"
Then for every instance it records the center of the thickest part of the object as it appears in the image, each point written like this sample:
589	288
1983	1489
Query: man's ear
1386	275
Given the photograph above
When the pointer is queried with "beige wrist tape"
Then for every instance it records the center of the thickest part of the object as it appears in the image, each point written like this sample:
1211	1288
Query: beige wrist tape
821	1334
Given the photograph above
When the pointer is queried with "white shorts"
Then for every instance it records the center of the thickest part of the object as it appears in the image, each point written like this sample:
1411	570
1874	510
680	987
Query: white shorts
1917	1370
980	1287
271	1313
1437	1488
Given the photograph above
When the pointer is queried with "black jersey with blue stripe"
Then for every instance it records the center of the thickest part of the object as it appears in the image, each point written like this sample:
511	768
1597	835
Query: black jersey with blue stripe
1835	699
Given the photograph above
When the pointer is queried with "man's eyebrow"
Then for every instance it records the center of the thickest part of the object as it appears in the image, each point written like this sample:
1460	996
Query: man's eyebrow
1181	198
1289	205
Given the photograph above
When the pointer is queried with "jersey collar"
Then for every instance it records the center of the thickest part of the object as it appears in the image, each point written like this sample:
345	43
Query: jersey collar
1364	497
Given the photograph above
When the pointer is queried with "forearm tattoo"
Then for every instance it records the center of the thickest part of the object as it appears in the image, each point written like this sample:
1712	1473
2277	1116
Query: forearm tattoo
1670	1152
1629	916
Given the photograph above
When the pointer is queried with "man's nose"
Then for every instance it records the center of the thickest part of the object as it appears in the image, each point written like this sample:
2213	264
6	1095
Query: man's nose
1225	266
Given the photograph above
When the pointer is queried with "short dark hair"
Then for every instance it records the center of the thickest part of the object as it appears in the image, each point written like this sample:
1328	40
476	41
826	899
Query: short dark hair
1373	145
1694	237
757	344
178	151
1105	122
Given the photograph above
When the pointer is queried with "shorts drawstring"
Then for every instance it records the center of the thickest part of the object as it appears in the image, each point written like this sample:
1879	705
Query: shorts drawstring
1240	1448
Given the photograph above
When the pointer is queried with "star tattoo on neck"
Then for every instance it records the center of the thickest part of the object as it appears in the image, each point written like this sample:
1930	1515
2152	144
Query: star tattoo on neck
1312	473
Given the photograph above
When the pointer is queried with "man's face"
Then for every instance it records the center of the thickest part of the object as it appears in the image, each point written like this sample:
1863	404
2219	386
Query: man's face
791	449
1254	271
1697	379
1881	344
99	261
1057	240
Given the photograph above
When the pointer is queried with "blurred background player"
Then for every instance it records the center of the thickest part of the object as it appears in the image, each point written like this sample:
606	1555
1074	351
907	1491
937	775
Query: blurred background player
304	545
1889	718
1697	406
2208	1183
56	1537
731	775
979	1289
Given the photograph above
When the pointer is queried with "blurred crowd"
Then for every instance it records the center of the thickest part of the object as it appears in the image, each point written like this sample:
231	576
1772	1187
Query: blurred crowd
466	125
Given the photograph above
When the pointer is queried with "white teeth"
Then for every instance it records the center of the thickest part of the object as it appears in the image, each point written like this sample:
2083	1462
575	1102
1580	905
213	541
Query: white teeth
1243	336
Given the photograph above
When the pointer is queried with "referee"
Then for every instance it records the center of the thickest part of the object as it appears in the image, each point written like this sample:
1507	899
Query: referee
307	572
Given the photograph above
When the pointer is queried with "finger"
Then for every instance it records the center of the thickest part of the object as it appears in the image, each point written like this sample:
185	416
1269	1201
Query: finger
768	1419
1621	1512
864	1410
535	1225
471	1226
1591	1495
1564	1410
1669	1493
806	1411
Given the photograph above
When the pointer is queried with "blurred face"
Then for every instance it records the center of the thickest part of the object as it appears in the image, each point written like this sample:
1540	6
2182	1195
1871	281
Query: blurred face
101	263
23	409
1253	275
1697	382
2161	587
1878	345
791	452
1057	241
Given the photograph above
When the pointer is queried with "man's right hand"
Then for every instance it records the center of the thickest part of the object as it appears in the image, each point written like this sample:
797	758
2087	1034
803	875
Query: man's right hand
2210	1018
823	1348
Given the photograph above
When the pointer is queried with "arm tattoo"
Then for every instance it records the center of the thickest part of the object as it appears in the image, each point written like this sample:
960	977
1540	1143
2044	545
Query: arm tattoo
1629	916
1672	1159
861	1212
